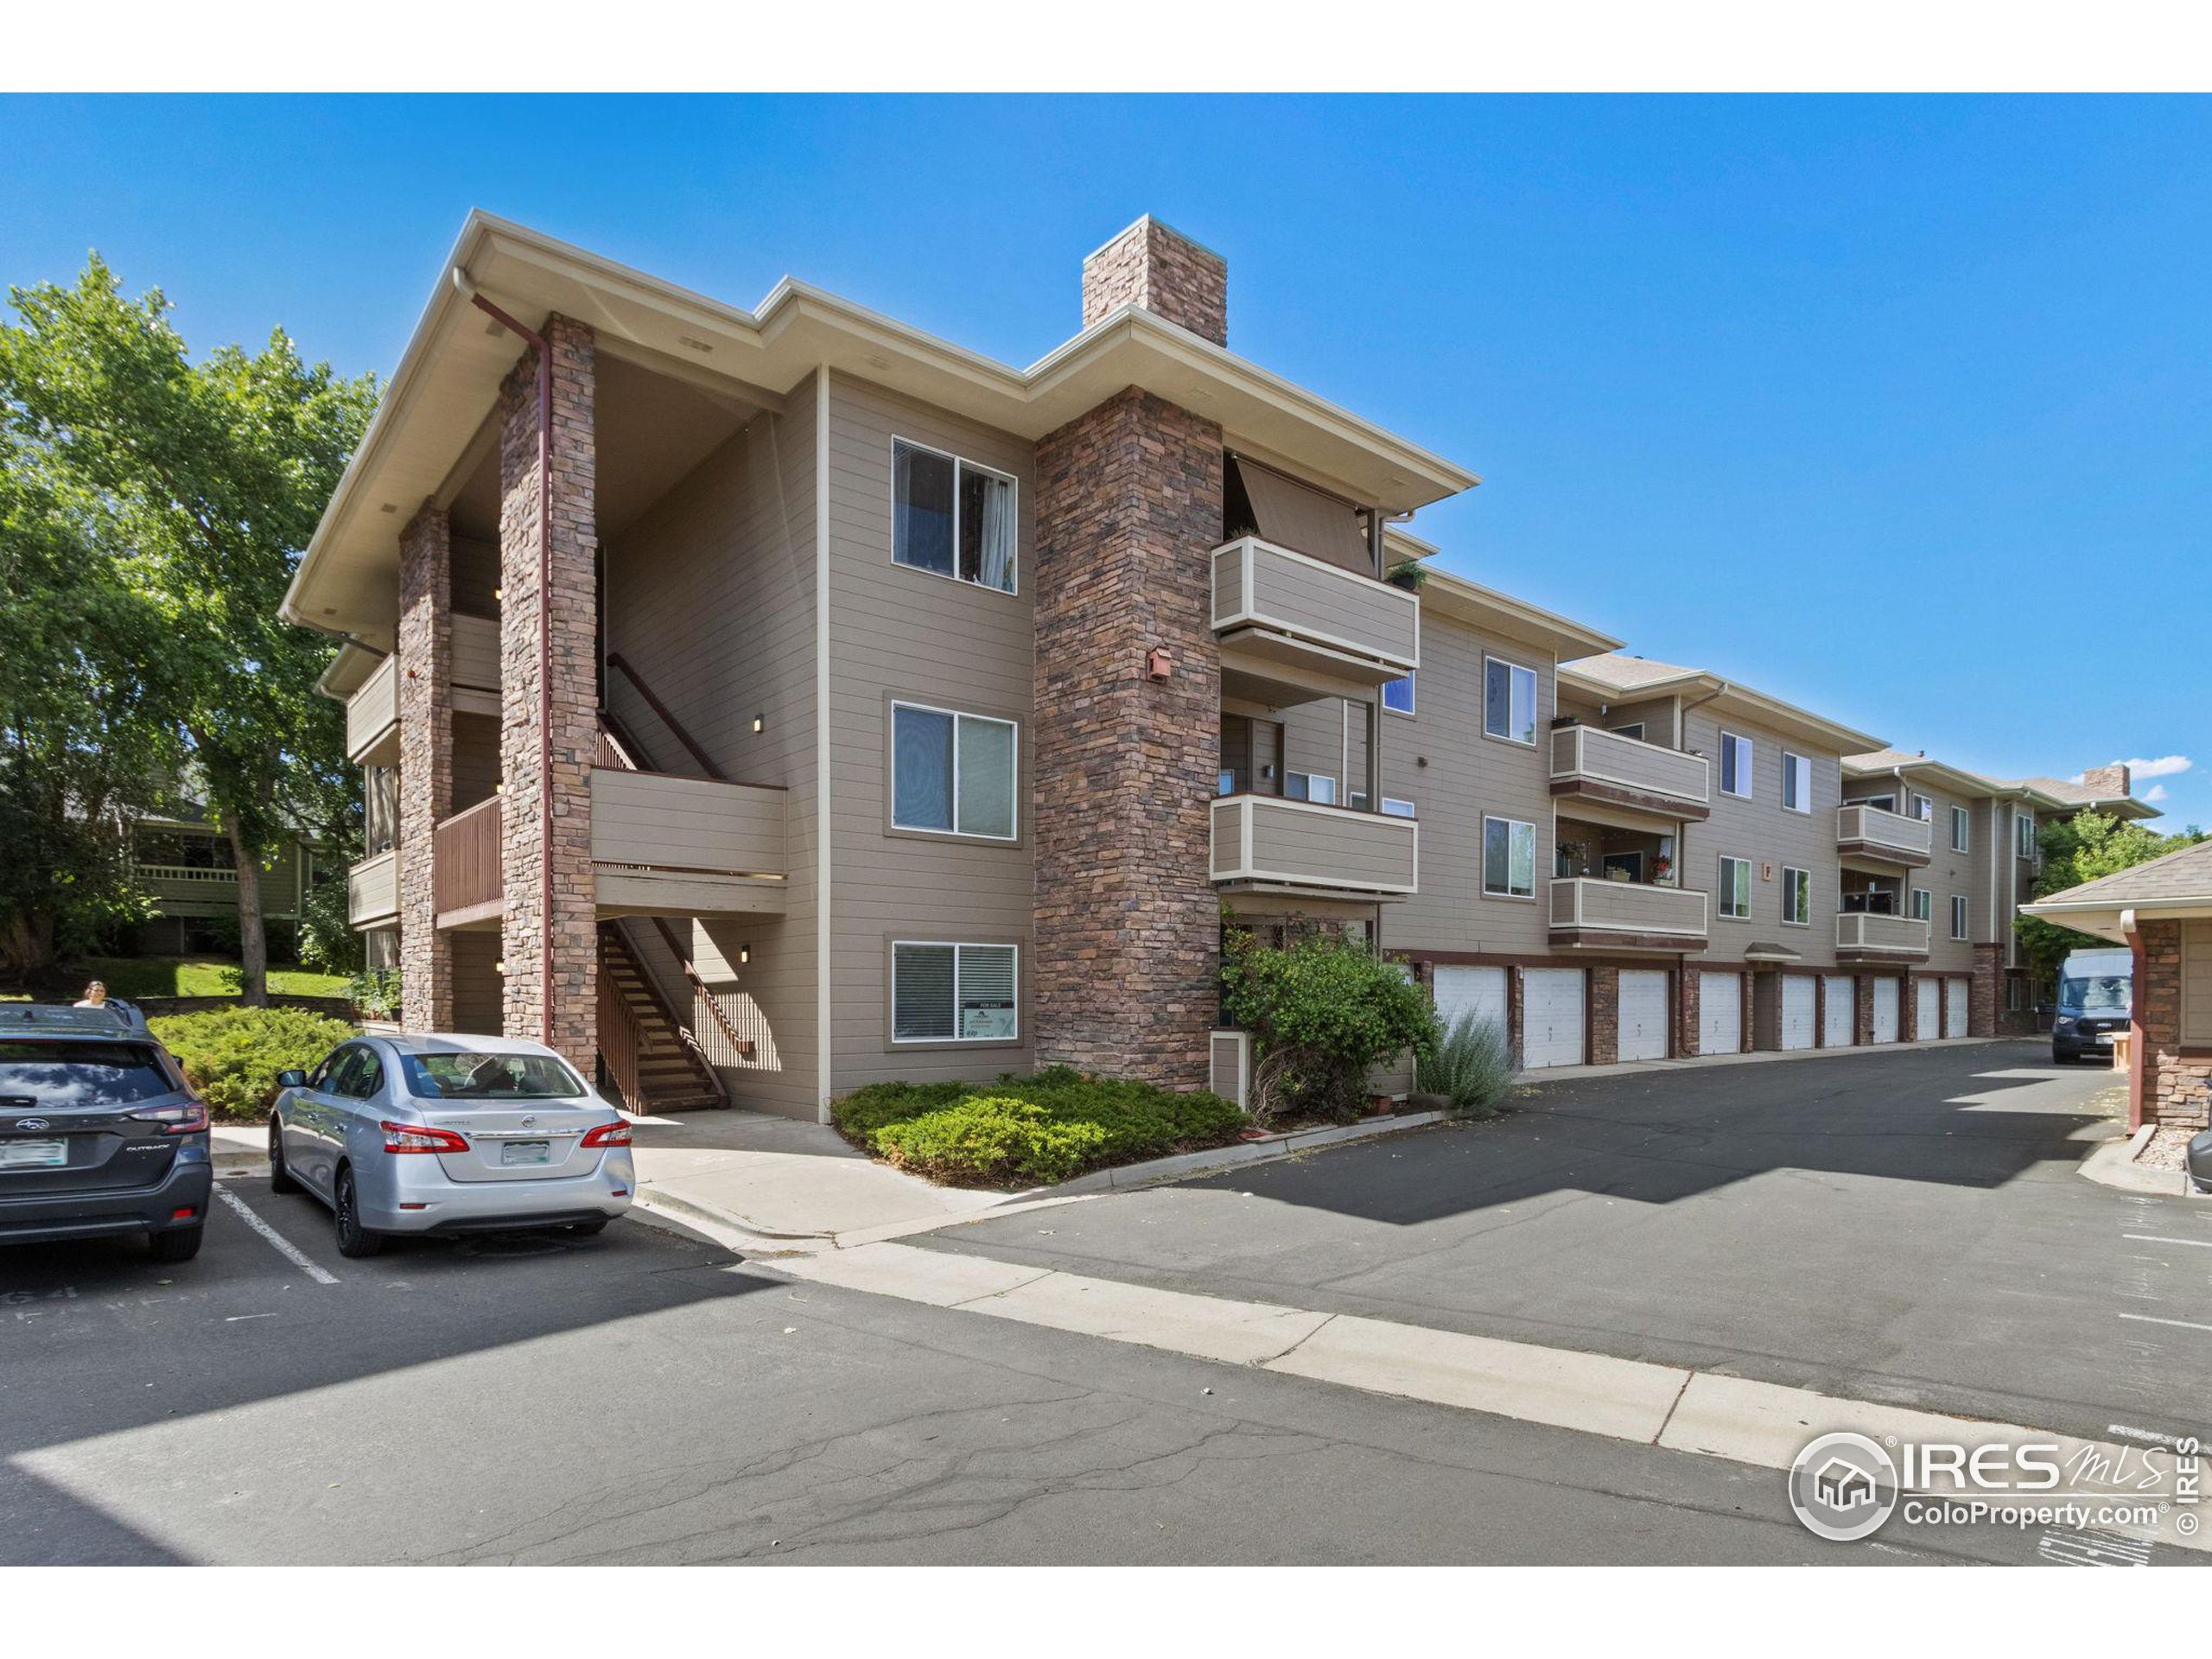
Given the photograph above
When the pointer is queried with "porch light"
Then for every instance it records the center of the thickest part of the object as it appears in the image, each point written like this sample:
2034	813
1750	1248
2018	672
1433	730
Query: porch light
500	966
758	721
745	953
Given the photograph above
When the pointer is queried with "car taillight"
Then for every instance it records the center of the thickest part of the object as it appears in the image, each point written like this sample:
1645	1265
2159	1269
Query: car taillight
609	1135
412	1137
191	1118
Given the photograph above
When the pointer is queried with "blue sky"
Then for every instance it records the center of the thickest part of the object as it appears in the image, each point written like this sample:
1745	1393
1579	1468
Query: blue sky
1878	404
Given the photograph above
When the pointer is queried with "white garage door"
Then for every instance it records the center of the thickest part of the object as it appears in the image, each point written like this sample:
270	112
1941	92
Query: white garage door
1838	1017
1885	1010
1479	991
1719	1013
1796	1010
1927	1012
1643	1014
1955	1007
1551	1017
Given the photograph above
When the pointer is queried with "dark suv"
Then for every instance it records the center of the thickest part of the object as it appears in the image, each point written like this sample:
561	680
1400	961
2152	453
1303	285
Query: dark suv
99	1134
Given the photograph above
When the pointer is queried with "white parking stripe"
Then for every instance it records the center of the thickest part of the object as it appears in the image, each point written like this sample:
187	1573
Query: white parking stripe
2153	1238
2186	1325
283	1246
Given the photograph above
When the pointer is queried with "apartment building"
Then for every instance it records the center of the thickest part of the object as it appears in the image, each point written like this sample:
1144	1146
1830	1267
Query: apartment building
758	704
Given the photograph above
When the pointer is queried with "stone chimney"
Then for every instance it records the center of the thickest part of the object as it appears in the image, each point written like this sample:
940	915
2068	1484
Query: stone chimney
2107	782
1164	271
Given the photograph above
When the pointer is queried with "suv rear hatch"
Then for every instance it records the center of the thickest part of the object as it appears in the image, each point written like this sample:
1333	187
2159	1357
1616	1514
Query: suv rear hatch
66	1123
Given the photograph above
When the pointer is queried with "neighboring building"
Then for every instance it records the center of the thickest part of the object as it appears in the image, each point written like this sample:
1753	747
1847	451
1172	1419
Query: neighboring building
896	713
2162	911
182	861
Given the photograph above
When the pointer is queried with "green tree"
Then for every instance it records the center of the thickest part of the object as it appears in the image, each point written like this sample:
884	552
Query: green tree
1324	1011
195	486
2077	849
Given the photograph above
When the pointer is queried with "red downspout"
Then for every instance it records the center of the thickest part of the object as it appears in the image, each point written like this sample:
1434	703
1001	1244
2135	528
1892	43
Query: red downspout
2139	1057
544	641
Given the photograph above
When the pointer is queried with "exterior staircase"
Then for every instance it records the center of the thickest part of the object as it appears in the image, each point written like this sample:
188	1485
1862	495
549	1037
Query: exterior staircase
648	1055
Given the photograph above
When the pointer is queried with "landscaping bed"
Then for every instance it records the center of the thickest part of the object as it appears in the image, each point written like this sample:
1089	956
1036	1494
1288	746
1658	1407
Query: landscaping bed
1029	1131
232	1056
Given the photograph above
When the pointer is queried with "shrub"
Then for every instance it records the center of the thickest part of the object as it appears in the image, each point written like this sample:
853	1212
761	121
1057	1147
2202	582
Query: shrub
327	941
374	991
1028	1130
1471	1066
1324	1011
233	1056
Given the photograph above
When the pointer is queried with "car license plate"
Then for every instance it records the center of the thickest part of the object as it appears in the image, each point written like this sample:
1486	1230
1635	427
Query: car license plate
34	1154
2105	1038
526	1152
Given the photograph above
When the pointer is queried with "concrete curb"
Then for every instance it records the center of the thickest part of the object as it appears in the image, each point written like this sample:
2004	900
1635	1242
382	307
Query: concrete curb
2113	1164
1553	1075
1244	1152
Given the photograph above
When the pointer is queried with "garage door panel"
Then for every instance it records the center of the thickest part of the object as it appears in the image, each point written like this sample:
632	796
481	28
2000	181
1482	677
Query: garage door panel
1479	991
1955	1007
1642	1016
1928	1011
1798	1000
1551	1017
1719	1013
1885	1010
1838	1018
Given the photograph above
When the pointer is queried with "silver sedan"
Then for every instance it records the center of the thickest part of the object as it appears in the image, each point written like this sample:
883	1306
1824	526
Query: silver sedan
437	1133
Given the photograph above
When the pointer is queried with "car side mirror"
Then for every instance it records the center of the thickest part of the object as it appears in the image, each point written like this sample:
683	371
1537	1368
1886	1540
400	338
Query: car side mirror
292	1079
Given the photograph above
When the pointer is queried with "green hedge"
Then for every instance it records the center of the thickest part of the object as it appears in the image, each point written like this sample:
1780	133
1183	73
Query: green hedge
233	1056
1028	1131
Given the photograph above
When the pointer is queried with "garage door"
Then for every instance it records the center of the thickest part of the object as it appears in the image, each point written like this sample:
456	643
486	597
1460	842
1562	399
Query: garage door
1479	991
1885	1010
1719	1013
1551	1017
1927	1012
1796	1010
1838	1018
1955	1007
1643	1014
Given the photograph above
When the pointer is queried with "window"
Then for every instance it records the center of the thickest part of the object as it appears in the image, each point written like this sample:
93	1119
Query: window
2011	994
1398	696
1796	897
1735	764
1393	807
2023	834
1634	728
1797	782
951	518
1924	904
1958	915
1508	701
1959	822
1735	887
953	994
2197	982
1316	786
489	1077
1509	859
49	1076
1918	806
951	774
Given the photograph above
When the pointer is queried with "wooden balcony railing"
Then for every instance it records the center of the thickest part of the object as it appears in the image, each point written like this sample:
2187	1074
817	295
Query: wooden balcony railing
466	883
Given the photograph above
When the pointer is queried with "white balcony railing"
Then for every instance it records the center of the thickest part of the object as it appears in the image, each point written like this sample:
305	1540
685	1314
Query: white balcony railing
1869	931
1591	754
1351	619
1264	840
1584	903
1874	830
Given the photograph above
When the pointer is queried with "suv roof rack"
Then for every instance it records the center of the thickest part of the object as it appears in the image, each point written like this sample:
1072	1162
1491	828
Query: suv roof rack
61	1020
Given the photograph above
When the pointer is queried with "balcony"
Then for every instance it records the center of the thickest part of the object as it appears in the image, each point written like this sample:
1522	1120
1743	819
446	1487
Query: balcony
372	891
372	718
660	846
1867	936
1264	844
1587	911
1876	835
1294	628
1595	766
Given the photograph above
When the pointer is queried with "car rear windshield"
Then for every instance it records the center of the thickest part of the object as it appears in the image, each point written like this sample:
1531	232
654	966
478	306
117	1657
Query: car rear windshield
489	1077
54	1075
2099	994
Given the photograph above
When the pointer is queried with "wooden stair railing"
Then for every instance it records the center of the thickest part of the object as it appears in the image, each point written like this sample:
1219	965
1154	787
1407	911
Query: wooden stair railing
680	1077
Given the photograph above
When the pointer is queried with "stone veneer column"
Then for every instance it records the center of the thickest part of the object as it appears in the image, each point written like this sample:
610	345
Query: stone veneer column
1862	1010
570	669
1688	1011
1163	271
2174	1078
1129	931
1604	1015
425	687
1985	990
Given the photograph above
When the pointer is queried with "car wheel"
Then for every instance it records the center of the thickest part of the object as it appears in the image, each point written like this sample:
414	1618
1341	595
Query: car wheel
353	1239
280	1178
177	1244
589	1229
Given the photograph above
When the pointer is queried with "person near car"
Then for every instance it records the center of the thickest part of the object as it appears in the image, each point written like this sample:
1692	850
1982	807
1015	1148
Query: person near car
95	996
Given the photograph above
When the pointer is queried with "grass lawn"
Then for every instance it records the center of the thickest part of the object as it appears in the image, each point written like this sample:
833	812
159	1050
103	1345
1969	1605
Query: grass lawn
136	976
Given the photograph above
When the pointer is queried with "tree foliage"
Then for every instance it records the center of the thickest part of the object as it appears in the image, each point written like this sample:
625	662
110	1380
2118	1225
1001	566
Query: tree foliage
170	501
1324	1011
2077	849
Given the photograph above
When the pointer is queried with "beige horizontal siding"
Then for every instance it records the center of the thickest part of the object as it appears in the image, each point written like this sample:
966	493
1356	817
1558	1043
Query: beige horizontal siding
686	823
1317	601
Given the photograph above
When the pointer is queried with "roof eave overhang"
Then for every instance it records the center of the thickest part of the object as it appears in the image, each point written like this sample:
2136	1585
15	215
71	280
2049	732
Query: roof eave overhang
447	381
1457	599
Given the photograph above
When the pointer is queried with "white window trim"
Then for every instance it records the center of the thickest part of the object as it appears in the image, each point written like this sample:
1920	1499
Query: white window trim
1535	715
1412	678
1919	807
2025	842
1746	774
1633	729
1961	830
1327	777
956	946
1013	783
958	461
2194	962
1389	801
1806	761
1482	853
1728	889
1912	897
1961	922
1788	896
